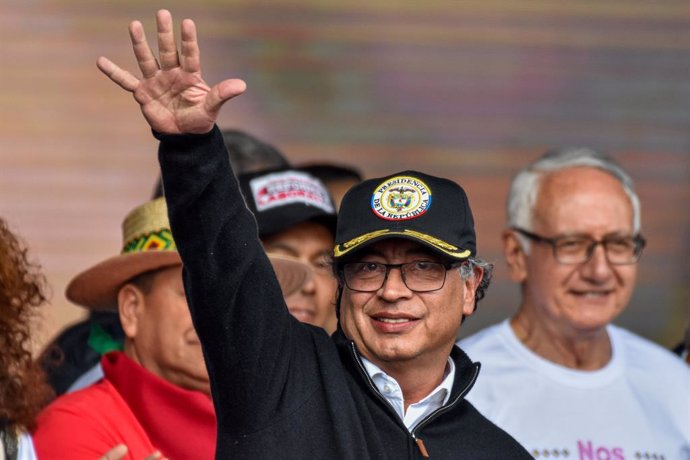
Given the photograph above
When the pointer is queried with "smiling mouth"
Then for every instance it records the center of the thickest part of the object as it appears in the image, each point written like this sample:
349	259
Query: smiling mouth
393	320
394	325
592	294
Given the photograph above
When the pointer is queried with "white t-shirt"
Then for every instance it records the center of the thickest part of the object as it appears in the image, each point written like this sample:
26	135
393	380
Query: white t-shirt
636	407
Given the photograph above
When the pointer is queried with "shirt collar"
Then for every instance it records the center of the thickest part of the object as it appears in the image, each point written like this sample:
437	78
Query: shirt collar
439	395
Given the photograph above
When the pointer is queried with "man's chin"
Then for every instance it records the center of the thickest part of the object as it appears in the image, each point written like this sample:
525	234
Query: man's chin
394	353
593	323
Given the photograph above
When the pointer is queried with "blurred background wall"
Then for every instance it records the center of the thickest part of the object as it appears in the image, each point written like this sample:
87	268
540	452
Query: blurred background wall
471	90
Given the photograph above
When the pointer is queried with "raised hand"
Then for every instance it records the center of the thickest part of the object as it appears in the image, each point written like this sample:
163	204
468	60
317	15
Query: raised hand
173	97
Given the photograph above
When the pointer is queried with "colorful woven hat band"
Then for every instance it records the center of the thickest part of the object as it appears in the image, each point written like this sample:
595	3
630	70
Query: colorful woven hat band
146	228
160	240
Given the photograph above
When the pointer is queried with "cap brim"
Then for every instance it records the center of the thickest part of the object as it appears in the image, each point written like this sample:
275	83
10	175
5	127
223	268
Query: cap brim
291	273
437	245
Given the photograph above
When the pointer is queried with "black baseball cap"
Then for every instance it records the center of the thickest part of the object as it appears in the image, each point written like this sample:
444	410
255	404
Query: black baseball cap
284	197
429	210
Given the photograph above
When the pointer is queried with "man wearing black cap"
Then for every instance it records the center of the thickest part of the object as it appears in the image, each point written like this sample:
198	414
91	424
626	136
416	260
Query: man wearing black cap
389	383
296	218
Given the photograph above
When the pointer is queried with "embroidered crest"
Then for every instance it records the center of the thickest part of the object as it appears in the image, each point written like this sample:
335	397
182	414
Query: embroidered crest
401	198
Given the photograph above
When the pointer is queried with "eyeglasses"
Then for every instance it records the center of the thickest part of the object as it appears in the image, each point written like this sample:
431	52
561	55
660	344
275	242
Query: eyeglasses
418	276
571	250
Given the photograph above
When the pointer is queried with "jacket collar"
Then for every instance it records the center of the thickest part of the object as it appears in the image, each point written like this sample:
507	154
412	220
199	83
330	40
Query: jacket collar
465	370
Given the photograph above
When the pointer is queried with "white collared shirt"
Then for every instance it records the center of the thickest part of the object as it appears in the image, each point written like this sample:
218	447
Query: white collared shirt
390	389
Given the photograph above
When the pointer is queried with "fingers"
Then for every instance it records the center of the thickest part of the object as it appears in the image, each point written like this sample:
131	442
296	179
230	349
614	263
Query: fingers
123	78
223	92
190	59
167	49
145	58
116	453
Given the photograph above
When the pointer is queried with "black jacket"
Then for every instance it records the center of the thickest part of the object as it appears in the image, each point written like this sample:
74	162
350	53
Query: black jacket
283	389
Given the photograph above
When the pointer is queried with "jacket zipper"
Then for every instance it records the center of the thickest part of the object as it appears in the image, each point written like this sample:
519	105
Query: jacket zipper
428	418
370	383
372	387
441	410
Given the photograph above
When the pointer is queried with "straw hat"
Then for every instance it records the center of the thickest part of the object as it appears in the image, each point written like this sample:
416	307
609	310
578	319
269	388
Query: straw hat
148	245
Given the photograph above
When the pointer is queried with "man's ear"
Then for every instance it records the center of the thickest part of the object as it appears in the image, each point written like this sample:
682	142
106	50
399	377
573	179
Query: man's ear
471	285
130	305
515	256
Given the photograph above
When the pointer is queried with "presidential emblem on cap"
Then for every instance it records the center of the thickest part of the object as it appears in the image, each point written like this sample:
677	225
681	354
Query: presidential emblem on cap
401	198
400	206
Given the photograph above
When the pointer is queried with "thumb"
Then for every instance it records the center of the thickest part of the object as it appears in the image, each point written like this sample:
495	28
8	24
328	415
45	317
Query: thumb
223	92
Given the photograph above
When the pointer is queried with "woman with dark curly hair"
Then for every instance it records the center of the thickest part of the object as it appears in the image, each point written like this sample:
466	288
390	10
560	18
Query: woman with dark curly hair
23	391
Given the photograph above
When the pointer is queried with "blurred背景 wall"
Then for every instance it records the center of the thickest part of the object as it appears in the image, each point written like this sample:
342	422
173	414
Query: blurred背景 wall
471	90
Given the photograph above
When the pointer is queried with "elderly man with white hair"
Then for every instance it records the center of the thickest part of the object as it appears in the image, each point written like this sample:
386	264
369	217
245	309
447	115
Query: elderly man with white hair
558	375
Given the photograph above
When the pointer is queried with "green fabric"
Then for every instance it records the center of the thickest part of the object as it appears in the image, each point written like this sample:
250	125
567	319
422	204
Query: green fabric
101	341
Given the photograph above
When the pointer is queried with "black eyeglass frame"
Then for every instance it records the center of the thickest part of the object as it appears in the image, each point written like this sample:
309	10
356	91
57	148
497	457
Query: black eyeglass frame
638	240
446	265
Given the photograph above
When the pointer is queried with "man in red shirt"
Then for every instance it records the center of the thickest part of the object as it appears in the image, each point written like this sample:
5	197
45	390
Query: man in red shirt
157	387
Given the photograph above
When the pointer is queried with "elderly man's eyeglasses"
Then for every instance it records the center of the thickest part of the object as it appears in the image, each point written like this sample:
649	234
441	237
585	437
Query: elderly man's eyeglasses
418	276
619	250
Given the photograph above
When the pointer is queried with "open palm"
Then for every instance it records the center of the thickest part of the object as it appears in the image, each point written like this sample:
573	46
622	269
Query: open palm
173	96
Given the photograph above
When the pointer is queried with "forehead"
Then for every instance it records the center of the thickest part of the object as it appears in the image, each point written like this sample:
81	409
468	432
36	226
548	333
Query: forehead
582	199
395	248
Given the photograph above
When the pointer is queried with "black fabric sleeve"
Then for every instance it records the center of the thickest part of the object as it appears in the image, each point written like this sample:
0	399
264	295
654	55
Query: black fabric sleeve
237	306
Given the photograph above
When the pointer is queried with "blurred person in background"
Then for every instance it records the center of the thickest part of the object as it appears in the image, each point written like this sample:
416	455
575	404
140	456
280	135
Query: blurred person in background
249	154
23	389
155	394
72	359
296	217
558	375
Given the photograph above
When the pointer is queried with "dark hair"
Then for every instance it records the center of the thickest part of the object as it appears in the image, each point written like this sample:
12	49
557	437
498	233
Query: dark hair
144	281
23	387
249	154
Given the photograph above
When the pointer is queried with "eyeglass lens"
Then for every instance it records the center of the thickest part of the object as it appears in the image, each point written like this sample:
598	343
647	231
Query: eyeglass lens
618	250
418	276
